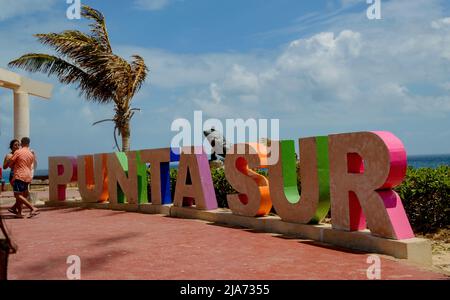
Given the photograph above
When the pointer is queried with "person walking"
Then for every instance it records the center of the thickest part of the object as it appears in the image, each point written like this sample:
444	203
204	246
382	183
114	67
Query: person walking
22	162
2	181
14	145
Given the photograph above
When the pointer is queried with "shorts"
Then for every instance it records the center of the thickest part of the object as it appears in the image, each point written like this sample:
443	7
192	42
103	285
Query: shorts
20	186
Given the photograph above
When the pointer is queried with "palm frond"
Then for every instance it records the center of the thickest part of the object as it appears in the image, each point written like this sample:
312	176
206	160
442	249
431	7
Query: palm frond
98	28
72	44
51	65
93	88
139	73
86	53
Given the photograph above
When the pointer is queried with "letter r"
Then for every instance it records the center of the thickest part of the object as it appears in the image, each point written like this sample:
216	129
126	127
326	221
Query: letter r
364	167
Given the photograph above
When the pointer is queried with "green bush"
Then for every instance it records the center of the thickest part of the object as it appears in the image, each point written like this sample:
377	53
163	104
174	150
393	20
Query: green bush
173	181
426	197
221	187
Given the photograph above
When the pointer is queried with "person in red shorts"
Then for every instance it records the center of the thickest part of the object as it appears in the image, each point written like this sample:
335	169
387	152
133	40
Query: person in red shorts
22	162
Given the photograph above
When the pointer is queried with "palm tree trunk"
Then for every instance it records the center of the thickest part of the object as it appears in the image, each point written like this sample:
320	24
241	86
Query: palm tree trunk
125	133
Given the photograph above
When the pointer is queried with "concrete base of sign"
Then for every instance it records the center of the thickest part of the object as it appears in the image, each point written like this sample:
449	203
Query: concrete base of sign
415	250
104	205
149	208
63	203
123	207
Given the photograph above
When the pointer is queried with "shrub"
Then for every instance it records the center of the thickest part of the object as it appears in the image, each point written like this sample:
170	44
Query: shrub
221	187
173	181
426	197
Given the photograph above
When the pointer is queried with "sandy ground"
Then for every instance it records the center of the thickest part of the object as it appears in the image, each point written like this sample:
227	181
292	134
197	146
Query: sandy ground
441	250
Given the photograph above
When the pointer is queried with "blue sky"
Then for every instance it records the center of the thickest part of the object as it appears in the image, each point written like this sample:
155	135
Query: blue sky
321	67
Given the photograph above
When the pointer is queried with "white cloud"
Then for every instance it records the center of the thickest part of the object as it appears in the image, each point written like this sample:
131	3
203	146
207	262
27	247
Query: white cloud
441	23
152	4
215	93
172	70
242	80
10	9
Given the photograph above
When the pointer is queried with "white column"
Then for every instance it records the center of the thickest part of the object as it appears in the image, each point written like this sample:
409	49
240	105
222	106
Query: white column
21	115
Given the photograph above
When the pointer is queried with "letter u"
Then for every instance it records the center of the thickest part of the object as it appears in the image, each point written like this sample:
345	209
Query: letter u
313	204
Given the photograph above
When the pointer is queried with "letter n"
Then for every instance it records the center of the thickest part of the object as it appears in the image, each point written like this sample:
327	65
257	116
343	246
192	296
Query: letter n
123	177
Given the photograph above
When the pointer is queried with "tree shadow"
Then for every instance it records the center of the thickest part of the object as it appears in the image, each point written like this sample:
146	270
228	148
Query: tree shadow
113	213
332	247
299	238
115	239
234	227
89	264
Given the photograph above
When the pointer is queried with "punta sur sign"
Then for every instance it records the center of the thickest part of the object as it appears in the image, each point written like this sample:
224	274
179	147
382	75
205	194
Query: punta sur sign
353	174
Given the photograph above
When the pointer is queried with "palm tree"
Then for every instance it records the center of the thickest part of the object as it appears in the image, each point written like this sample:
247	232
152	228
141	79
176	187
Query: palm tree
87	60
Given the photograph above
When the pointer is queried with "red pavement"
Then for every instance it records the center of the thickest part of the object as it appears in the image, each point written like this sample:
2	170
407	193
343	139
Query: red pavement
121	245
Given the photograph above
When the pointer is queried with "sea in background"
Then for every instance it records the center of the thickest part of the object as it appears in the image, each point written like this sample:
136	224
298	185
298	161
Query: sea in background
415	161
429	161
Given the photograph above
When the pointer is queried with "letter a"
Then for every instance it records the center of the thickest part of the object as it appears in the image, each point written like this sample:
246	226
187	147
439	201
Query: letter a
374	10
73	11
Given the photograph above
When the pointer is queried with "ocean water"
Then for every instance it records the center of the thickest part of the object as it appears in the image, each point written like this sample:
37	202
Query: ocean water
415	161
5	174
429	161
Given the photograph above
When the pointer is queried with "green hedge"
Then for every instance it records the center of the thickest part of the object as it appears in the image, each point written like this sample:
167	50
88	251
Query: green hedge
221	186
425	193
426	198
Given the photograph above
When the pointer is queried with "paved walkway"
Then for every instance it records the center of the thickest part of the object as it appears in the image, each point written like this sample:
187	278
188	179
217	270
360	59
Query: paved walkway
121	245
